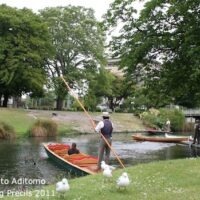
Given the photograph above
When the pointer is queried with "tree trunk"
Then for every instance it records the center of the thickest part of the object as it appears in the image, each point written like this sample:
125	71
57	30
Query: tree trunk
5	100
111	103
59	104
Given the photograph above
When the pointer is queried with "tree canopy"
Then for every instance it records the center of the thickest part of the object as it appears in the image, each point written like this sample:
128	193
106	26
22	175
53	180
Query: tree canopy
79	44
24	49
161	46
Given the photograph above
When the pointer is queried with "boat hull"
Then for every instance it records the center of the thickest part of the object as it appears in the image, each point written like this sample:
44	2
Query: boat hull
70	167
159	139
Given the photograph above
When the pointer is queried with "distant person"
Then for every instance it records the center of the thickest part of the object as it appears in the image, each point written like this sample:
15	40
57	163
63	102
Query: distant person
168	126
105	127
73	149
197	132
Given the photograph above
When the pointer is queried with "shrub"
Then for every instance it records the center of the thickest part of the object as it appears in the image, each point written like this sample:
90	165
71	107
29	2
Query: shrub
157	119
44	128
175	116
6	131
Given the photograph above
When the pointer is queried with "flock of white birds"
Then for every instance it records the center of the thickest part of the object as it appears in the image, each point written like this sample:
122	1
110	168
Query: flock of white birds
122	182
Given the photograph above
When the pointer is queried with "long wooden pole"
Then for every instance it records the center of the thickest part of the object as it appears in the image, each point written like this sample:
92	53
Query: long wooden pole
92	121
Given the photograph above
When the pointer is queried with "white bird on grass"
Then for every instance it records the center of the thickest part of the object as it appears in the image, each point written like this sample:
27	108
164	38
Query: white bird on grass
107	172
123	181
62	186
104	165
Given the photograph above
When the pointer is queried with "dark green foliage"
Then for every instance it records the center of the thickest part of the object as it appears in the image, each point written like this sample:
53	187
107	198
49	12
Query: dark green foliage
157	118
25	46
160	48
78	42
90	101
100	85
176	117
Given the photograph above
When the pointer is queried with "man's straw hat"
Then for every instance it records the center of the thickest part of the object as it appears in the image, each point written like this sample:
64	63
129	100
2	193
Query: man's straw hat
105	114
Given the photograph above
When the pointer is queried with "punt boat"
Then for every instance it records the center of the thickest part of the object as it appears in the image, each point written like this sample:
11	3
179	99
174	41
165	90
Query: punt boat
166	138
79	164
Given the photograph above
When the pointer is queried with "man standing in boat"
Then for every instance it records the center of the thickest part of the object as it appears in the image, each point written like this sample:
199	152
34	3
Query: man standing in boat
105	127
197	132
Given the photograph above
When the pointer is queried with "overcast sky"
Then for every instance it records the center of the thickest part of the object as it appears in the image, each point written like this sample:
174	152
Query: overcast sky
99	6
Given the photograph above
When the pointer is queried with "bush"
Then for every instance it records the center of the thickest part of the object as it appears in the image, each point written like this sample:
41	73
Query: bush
157	118
6	131
175	116
44	128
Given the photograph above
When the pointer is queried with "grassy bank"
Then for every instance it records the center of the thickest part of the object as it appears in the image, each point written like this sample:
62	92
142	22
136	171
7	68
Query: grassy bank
68	122
22	120
164	180
18	119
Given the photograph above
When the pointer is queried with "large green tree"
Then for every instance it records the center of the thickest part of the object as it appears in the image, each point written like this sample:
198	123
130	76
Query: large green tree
161	45
24	48
79	43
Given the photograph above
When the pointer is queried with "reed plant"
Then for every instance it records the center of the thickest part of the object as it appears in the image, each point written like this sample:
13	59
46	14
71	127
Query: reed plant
44	128
6	131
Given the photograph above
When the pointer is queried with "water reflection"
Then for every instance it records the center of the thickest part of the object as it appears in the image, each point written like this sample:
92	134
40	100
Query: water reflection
26	158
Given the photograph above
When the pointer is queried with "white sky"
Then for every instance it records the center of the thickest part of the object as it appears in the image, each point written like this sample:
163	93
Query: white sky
99	6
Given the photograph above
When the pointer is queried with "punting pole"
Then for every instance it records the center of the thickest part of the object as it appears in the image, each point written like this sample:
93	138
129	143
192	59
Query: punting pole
91	120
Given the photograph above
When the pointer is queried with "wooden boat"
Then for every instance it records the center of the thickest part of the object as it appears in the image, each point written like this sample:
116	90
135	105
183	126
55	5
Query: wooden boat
168	139
187	138
78	164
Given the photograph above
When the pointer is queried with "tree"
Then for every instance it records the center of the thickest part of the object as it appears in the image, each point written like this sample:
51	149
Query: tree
121	89
161	45
111	87
99	86
24	48
78	41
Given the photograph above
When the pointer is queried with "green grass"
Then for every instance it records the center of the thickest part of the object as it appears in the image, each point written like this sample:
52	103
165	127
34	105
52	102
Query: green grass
22	120
128	120
164	180
18	119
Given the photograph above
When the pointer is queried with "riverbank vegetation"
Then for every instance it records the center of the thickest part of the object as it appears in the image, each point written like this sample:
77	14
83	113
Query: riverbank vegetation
166	180
156	118
6	131
63	122
44	128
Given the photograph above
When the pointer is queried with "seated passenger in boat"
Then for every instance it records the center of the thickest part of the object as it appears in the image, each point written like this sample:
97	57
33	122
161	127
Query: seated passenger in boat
73	149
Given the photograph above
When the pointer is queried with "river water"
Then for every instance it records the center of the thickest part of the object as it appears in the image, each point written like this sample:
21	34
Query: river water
26	158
